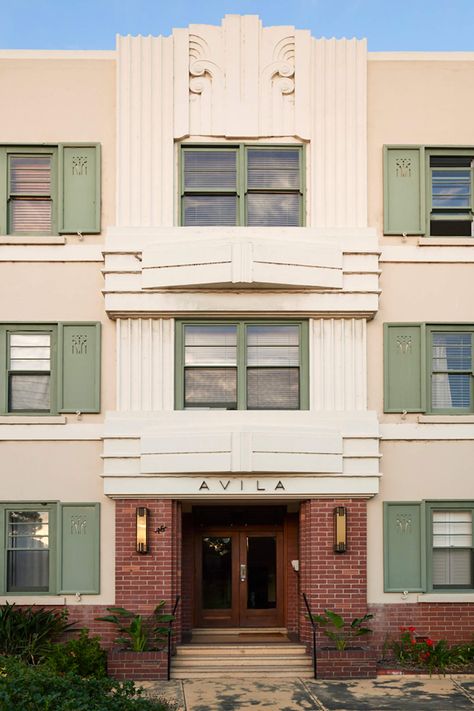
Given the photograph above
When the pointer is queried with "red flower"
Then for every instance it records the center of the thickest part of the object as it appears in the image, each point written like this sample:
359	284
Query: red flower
403	629
429	642
411	629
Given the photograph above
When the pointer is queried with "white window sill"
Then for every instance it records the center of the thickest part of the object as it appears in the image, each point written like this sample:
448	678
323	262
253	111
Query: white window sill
33	599
446	597
46	239
446	242
33	420
446	419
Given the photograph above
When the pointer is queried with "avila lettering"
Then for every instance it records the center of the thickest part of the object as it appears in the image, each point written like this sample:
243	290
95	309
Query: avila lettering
233	485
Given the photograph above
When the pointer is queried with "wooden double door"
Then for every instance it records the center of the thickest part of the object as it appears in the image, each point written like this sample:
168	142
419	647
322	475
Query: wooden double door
239	578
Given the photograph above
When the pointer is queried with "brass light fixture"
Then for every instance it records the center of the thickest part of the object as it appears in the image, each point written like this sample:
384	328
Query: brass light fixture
142	529
340	529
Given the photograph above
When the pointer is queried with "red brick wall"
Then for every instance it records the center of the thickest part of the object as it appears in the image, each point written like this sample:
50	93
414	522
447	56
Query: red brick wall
292	553
141	581
332	580
451	621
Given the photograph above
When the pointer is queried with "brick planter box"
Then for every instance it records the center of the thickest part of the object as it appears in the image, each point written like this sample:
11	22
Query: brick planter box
348	664
137	666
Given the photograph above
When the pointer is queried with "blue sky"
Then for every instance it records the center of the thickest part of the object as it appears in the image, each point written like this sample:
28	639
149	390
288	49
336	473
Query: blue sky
92	24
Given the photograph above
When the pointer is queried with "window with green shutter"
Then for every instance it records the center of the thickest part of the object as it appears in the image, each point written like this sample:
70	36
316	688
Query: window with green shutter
242	185
46	369
49	547
429	368
242	365
428	190
429	546
49	190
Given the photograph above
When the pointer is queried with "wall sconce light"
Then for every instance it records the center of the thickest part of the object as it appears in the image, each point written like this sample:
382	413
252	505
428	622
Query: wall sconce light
340	529
142	529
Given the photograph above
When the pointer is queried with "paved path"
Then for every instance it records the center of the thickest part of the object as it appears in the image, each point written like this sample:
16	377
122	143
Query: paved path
386	693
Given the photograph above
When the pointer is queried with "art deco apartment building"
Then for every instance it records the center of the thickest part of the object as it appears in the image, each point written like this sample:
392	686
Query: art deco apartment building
236	272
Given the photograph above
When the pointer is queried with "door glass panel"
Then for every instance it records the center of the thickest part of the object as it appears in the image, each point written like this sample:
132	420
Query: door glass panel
216	573
261	572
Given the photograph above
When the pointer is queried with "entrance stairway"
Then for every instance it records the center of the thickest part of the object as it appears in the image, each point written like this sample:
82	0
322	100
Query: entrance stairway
233	653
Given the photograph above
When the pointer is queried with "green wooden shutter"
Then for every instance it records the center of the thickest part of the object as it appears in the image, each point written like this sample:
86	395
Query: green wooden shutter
79	367
404	383
3	192
79	188
404	547
404	190
3	370
79	531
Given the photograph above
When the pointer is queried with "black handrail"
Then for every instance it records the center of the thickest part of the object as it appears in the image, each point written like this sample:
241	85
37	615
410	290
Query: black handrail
170	631
313	625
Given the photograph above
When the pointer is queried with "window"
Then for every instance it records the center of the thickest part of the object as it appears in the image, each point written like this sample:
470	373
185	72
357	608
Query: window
428	546
239	365
49	548
49	368
429	191
452	549
48	190
242	185
451	195
429	368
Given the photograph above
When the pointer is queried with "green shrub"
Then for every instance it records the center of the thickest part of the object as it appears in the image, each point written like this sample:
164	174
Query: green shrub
83	656
38	689
28	632
342	633
139	633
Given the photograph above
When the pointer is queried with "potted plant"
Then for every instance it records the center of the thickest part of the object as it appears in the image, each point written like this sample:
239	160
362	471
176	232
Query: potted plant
141	643
345	658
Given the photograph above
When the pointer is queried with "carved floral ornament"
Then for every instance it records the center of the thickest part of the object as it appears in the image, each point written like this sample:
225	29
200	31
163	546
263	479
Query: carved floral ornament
403	523
404	344
204	71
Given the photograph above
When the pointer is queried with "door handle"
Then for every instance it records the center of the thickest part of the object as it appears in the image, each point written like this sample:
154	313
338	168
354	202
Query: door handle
243	572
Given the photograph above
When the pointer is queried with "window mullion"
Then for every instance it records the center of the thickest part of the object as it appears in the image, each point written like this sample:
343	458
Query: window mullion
242	366
242	184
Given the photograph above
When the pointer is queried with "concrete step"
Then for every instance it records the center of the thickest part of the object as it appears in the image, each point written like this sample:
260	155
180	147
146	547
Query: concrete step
212	631
240	650
245	674
243	662
207	661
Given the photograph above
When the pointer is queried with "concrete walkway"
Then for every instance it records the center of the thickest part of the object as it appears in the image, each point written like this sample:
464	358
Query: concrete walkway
386	693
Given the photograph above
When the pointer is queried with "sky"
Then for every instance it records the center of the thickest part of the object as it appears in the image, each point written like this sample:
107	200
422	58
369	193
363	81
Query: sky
389	25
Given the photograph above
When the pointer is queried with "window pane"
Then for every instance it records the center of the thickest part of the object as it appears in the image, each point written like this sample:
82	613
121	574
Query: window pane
273	169
273	210
272	388
213	169
30	351
30	215
30	175
205	335
452	529
451	351
29	392
449	391
27	551
216	573
270	335
209	210
452	567
261	572
451	189
210	345
210	387
273	345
